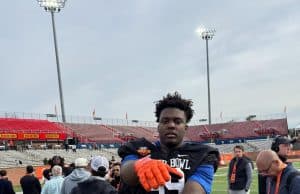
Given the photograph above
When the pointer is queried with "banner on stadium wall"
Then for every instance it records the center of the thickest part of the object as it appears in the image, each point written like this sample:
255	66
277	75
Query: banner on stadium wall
9	136
33	136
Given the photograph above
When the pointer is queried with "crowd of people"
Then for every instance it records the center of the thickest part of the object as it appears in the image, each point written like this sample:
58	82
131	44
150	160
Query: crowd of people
167	166
83	176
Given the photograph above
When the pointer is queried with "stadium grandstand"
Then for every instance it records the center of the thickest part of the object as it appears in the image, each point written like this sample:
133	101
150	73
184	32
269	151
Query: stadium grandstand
32	139
18	129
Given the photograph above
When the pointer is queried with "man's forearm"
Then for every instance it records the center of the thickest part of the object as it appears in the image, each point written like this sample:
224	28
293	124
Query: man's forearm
192	187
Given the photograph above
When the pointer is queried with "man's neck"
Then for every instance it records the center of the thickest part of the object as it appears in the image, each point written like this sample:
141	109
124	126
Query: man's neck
282	158
282	166
166	149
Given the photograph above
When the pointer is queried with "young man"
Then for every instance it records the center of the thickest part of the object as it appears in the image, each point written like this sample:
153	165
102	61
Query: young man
239	172
5	184
115	177
29	183
269	165
282	146
169	165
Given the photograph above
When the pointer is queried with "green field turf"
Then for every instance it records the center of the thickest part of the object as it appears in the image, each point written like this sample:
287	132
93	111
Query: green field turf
220	182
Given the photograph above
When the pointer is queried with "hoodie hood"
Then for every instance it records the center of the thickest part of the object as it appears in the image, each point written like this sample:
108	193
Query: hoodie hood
79	174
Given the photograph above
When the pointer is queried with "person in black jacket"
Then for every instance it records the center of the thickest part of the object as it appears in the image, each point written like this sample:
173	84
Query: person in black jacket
281	177
29	183
239	172
55	160
5	184
96	184
169	165
282	146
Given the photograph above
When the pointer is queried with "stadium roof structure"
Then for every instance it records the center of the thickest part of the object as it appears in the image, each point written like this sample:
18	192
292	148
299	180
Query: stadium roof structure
30	129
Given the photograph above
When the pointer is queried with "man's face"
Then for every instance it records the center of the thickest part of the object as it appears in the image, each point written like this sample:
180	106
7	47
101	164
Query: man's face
268	169
172	127
238	152
116	170
56	160
284	149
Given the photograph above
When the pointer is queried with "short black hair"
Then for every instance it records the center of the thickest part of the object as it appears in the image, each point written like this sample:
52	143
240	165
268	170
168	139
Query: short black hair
29	169
101	172
61	159
175	101
239	147
3	172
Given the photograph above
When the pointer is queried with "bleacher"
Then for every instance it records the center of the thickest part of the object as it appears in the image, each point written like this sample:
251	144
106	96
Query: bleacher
233	130
248	133
10	125
95	133
14	158
134	131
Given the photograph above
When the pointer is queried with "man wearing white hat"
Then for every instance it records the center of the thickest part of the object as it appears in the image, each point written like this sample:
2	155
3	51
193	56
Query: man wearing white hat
96	184
79	174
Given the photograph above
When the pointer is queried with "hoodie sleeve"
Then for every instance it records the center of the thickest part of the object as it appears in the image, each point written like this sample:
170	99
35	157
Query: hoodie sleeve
62	191
249	176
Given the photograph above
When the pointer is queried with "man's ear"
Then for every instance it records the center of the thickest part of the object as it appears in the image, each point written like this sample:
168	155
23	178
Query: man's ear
186	127
277	162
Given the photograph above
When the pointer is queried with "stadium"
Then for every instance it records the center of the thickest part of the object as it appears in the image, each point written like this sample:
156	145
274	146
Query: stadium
118	57
32	139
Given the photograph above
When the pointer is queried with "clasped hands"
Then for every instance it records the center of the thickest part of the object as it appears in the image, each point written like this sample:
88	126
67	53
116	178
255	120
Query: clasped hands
153	173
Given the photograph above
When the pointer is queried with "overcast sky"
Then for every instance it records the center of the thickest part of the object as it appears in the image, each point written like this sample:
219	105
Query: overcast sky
120	56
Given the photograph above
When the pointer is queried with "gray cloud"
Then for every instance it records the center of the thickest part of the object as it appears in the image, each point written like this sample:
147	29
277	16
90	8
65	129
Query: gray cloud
120	57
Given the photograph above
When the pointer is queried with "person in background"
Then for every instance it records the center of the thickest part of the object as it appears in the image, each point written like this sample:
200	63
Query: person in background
282	146
115	175
55	160
96	184
79	174
277	174
53	186
68	169
29	183
239	172
5	184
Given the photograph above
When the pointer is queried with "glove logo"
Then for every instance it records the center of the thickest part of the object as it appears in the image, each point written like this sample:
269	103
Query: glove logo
143	151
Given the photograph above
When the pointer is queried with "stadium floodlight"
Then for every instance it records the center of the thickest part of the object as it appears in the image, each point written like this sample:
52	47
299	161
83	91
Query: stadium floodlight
53	6
207	34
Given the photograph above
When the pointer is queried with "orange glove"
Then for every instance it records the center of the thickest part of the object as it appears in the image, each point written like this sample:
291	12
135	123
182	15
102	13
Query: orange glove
153	173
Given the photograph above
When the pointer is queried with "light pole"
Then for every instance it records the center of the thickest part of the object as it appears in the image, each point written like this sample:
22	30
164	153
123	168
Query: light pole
207	34
53	6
